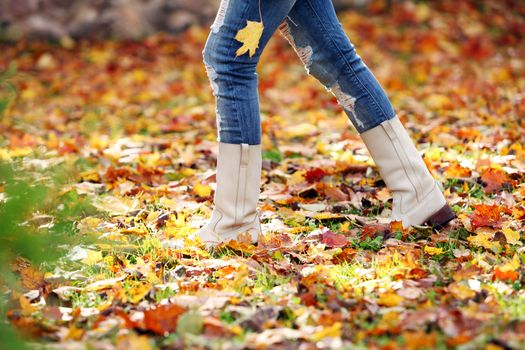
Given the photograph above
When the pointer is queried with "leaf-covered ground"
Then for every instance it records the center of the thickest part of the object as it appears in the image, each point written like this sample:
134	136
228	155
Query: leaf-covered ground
136	121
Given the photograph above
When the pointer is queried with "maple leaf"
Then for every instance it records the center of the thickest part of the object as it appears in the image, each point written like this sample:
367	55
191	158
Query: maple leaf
486	216
249	36
494	179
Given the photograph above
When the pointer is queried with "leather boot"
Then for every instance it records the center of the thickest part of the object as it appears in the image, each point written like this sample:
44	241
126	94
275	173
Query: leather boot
238	179
417	197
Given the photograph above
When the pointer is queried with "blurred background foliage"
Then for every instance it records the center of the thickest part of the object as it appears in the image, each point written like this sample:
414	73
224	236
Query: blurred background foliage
133	19
38	215
7	88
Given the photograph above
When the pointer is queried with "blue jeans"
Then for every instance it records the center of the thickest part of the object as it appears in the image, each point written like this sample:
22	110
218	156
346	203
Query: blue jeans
314	31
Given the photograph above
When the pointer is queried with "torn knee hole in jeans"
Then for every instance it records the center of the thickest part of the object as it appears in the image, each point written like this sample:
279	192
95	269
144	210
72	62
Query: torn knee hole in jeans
212	76
221	14
346	101
305	53
320	72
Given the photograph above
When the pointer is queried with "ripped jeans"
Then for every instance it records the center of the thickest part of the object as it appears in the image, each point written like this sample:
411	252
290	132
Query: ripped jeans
316	35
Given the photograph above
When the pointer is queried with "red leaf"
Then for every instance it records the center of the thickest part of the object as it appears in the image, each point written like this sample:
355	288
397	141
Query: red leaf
477	48
308	299
333	240
314	175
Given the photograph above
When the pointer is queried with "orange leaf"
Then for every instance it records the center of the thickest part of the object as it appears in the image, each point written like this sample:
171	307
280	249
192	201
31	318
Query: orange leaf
163	319
486	216
505	275
493	179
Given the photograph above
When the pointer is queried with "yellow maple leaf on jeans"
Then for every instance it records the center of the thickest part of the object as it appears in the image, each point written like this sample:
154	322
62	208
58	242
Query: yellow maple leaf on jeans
249	36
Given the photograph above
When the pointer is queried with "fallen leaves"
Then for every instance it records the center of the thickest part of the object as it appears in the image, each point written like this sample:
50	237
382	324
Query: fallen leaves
136	120
508	271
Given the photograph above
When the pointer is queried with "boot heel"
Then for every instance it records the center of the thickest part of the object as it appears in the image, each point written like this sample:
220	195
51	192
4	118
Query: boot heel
441	218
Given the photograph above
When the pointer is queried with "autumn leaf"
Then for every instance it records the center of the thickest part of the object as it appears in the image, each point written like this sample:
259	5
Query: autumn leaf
433	250
508	271
133	342
202	190
390	299
136	122
163	319
512	237
493	179
31	278
486	216
314	175
333	240
249	36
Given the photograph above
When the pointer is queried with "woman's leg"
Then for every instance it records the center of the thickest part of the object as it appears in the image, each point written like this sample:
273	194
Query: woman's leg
234	82
314	31
234	78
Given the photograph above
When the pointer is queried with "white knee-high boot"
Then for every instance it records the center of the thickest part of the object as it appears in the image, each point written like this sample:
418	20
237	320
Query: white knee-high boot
417	198
238	179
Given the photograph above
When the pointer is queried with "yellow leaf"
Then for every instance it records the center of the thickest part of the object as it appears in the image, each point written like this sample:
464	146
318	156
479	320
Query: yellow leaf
433	251
437	101
74	333
92	257
483	239
296	178
390	299
202	190
513	237
139	75
332	331
103	284
26	306
300	130
249	36
133	342
138	293
511	265
460	290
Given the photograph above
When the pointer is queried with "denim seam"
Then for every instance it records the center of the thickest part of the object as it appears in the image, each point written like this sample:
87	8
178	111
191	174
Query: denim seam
349	66
231	85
